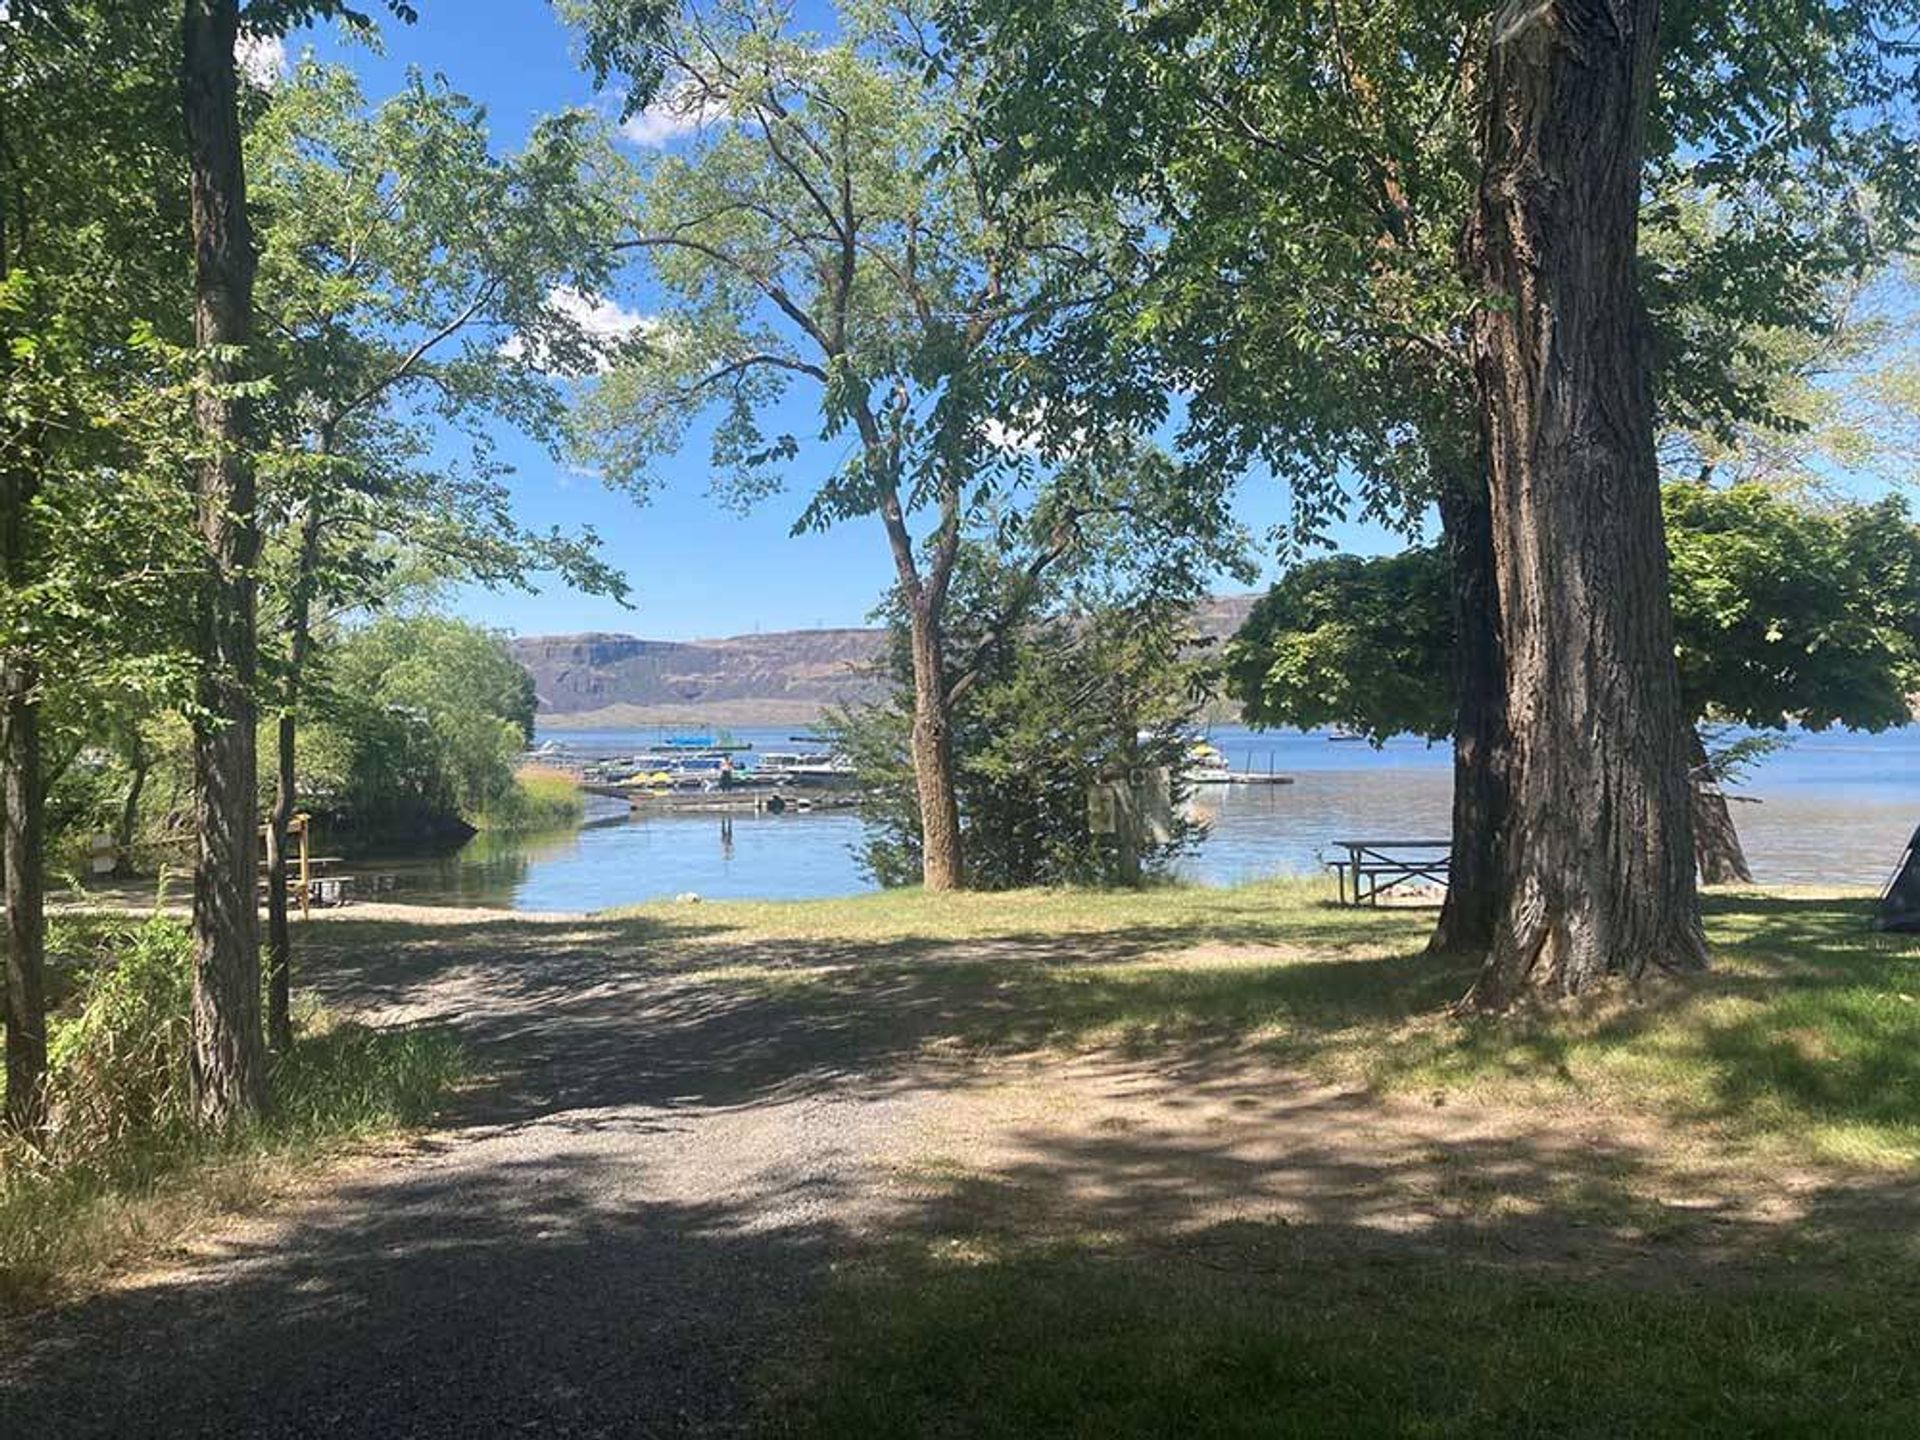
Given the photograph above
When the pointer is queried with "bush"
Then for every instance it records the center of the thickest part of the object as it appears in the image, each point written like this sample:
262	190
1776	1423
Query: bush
117	1072
124	1164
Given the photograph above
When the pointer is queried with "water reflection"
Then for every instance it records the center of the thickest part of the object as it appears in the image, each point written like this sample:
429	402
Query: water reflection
1835	809
616	859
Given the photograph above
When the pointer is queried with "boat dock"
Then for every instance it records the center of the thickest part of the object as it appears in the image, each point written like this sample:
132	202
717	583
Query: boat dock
757	799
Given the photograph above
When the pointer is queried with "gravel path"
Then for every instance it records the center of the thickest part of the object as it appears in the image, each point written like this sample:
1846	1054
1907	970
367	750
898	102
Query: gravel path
635	1213
606	1239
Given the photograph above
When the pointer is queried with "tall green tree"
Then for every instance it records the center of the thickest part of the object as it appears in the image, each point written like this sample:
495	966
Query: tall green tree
1311	170
1786	613
1563	380
1063	675
90	210
228	1056
830	227
413	285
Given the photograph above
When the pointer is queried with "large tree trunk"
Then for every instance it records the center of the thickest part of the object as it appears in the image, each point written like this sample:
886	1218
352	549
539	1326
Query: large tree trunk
941	867
1717	850
1598	850
228	1062
23	858
23	1002
1480	740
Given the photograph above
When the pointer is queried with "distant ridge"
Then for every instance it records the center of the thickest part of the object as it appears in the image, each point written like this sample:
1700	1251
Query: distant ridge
782	677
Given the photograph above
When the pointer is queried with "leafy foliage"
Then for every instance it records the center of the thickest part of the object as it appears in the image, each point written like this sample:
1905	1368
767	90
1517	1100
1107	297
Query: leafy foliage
1099	673
422	721
1785	613
1301	175
417	284
1362	643
815	231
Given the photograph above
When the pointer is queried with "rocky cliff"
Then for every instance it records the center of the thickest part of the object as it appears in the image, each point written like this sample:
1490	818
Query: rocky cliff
783	677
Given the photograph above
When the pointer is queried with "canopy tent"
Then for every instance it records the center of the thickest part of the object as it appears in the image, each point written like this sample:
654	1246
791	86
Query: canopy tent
1899	907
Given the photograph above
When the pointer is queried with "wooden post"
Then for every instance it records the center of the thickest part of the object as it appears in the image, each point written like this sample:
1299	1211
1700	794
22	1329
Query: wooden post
1127	834
299	825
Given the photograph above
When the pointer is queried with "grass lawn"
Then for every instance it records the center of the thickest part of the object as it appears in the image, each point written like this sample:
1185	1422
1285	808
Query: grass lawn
1687	1211
1804	1039
1198	1163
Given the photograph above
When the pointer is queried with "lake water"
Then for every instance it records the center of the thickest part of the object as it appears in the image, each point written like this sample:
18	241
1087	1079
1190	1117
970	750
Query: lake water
1832	809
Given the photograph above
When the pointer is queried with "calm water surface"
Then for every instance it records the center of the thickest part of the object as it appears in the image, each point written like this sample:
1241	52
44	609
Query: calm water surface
1832	809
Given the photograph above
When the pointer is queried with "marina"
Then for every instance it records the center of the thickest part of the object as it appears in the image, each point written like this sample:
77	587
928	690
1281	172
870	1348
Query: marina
1831	808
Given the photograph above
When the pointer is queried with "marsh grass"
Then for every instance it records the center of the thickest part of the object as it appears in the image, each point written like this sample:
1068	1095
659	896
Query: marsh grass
541	798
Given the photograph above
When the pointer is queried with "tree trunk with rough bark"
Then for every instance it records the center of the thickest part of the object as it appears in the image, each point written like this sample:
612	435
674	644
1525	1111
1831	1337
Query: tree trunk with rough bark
1717	851
23	785
23	859
941	865
228	1062
1598	848
1480	741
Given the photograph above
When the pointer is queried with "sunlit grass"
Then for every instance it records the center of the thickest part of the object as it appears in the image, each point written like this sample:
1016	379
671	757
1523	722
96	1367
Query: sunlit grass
1805	1034
542	798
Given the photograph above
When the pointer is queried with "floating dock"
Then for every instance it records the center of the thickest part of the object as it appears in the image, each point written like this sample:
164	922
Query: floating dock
737	799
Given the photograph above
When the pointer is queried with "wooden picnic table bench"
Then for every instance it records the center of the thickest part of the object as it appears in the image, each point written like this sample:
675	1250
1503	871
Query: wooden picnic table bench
310	888
1378	866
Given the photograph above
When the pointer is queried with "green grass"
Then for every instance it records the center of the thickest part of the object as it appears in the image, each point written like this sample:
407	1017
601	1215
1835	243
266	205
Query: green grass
985	1312
542	798
1722	1243
1805	1037
1074	1343
63	1225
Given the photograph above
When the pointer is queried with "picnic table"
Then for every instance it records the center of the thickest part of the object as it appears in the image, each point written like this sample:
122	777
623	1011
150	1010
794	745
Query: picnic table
1378	866
308	887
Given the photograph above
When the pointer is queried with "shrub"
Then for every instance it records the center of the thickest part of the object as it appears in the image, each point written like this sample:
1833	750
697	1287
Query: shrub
117	1071
124	1166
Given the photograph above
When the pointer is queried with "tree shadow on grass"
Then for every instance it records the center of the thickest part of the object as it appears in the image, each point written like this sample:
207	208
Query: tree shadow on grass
600	1013
663	1193
1804	1012
1270	1278
1147	1286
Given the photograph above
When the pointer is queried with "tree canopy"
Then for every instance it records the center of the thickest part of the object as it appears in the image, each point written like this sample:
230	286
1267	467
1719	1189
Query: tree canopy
1786	612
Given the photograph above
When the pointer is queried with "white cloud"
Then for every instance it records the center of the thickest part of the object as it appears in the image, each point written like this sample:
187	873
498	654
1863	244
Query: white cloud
1009	439
601	320
261	58
1023	436
673	116
600	317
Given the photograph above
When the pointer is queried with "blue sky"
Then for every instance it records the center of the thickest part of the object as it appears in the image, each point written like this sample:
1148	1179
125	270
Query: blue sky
696	569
